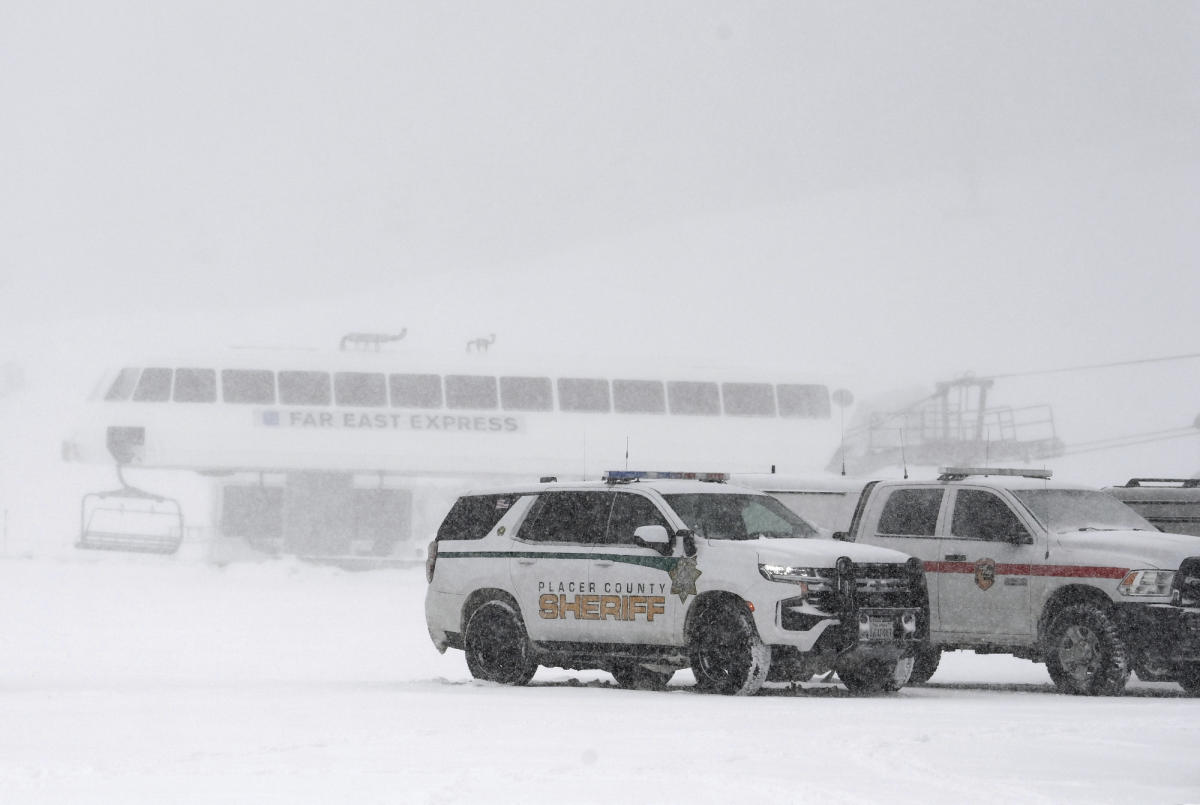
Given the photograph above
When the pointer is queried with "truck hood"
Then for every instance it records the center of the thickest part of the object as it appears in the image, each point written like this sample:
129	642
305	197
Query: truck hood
1138	549
823	552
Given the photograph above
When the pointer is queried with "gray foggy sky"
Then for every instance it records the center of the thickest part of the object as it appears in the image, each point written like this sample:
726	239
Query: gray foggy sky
815	179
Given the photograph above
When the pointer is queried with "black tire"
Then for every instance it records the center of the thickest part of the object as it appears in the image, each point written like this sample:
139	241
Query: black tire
925	664
877	676
1085	654
1189	678
727	654
638	677
497	647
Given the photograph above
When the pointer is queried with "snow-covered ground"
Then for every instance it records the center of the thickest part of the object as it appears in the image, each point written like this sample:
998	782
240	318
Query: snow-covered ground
130	678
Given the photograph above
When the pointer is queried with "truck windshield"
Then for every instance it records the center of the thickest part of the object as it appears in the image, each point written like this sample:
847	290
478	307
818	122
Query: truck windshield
738	517
1061	510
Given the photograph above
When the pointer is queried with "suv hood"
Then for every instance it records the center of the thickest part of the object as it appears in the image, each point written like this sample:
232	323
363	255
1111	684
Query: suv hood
1138	548
824	553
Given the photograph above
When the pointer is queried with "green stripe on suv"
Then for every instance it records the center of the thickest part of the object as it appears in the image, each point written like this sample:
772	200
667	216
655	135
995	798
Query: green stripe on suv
664	563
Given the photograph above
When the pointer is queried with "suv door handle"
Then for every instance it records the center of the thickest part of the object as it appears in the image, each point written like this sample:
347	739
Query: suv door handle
956	557
603	563
526	561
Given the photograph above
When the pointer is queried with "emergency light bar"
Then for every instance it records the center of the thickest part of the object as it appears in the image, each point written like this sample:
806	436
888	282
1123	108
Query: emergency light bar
625	476
958	473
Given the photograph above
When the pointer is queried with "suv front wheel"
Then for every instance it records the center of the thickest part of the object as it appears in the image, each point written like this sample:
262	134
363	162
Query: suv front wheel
1085	654
727	654
497	647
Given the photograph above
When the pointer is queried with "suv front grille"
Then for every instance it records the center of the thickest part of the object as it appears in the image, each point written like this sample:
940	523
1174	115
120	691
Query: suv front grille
877	585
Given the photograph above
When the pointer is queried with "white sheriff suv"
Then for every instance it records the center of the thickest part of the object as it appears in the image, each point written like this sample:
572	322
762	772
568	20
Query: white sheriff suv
643	574
1050	571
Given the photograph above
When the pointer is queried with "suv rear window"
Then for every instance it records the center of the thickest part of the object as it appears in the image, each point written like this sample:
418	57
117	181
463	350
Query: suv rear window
473	516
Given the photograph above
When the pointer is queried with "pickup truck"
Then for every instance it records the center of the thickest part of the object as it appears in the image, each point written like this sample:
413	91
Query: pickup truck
1053	572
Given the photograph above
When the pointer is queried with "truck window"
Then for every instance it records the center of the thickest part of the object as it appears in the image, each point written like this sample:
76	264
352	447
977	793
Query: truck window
911	513
982	515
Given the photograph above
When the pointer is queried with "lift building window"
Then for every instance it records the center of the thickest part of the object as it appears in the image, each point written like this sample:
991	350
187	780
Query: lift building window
254	386
415	391
363	389
153	386
195	385
748	399
583	394
696	399
805	402
304	388
123	386
471	391
526	394
638	397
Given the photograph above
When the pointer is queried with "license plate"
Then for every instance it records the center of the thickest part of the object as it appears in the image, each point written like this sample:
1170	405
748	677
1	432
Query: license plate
881	629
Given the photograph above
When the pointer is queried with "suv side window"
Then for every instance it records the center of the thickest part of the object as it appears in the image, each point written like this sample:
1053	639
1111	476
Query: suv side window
982	515
568	517
630	511
911	512
474	516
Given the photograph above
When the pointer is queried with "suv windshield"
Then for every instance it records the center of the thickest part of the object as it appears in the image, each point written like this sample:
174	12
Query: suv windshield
1062	510
738	516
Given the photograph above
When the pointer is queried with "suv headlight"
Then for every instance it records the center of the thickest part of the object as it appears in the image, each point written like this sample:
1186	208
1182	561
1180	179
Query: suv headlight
1147	582
810	577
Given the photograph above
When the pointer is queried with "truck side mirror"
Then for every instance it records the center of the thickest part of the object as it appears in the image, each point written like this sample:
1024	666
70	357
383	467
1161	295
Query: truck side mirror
841	536
654	537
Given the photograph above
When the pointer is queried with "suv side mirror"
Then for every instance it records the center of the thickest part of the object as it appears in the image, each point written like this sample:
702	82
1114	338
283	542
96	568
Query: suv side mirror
654	537
689	541
841	536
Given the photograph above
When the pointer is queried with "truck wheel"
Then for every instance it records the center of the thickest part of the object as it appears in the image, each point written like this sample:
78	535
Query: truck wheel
497	648
727	654
1085	654
877	676
638	677
925	664
1189	678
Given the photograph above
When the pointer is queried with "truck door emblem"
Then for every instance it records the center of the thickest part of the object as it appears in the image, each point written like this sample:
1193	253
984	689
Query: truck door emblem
985	573
683	578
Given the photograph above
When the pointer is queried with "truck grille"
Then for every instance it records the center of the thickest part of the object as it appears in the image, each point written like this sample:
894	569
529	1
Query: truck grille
1186	590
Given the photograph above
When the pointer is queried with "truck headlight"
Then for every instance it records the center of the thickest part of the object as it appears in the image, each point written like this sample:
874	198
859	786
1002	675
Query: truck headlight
1147	582
810	577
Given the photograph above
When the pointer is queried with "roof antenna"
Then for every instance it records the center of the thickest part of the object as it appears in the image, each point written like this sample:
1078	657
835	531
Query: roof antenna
843	398
842	438
903	459
626	452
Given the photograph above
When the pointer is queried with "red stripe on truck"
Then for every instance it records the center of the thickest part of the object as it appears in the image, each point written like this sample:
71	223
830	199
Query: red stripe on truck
1060	571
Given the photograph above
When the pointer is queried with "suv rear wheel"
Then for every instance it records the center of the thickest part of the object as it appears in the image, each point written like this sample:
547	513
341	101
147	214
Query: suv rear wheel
727	654
925	664
497	647
1085	654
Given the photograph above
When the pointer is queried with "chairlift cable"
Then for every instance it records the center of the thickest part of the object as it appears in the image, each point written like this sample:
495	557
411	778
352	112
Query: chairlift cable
1188	356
